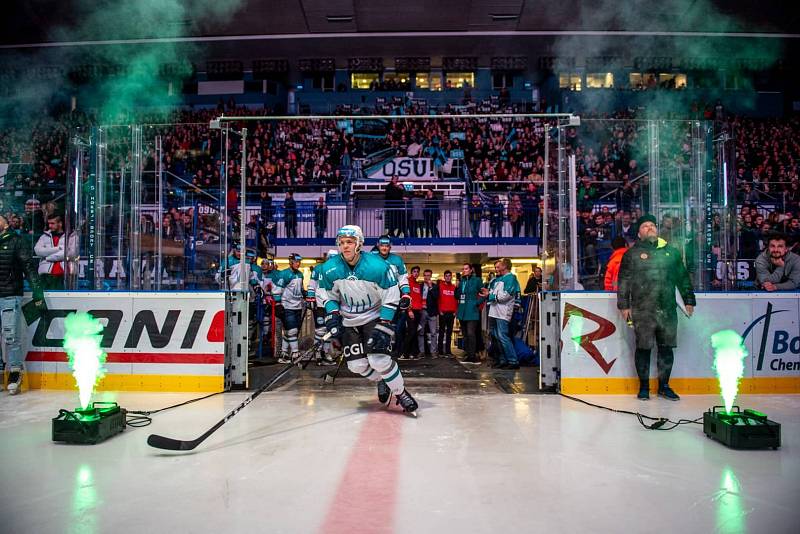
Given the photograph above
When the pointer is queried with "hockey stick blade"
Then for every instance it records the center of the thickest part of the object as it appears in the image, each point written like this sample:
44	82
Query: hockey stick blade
162	442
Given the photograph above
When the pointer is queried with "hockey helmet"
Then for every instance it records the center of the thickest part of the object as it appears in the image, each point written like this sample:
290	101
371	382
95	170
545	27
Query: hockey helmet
351	230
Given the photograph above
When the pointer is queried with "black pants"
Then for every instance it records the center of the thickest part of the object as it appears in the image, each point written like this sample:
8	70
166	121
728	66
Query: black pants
663	363
410	344
446	320
469	330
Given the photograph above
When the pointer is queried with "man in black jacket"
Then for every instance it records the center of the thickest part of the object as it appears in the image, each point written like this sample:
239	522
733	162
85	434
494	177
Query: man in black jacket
16	261
430	315
650	272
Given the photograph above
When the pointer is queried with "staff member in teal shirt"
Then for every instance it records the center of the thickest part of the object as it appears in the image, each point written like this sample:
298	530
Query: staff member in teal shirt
468	312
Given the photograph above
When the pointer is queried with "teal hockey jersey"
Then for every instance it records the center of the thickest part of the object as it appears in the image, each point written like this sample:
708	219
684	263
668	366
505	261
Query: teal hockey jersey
361	293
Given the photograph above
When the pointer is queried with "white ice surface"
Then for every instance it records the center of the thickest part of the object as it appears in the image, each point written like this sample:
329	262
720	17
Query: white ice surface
469	463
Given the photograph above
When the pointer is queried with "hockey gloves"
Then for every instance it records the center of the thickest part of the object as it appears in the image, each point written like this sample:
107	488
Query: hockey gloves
405	302
333	323
280	313
380	340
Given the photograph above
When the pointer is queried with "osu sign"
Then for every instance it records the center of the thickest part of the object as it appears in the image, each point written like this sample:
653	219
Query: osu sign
405	169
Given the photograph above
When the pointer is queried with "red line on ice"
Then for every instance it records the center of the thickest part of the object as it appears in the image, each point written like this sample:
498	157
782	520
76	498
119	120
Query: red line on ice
365	499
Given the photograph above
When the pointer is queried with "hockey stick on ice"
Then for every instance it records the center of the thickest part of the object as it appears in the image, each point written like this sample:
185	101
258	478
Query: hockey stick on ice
331	378
162	442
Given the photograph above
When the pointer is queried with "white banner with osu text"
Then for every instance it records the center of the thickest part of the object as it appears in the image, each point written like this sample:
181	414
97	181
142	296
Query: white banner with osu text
597	343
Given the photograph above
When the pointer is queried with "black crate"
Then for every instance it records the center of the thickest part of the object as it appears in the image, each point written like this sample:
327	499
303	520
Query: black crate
90	426
741	430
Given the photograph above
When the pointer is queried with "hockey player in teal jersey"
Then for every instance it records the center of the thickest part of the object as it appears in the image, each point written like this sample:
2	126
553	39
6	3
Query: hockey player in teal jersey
325	353
361	296
383	248
289	303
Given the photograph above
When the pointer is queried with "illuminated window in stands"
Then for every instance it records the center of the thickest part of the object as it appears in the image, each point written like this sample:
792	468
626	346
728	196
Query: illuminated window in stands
363	80
457	80
671	80
429	80
600	80
571	81
399	78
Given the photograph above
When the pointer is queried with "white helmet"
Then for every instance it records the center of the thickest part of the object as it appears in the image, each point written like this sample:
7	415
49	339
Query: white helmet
351	230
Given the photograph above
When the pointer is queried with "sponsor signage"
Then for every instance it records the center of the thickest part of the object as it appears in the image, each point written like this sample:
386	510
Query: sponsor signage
187	329
596	342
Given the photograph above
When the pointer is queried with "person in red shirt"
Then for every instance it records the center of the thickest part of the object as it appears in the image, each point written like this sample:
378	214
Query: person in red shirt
620	246
447	313
410	345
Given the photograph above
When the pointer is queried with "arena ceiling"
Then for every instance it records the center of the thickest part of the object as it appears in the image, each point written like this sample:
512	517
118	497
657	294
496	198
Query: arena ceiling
257	29
42	21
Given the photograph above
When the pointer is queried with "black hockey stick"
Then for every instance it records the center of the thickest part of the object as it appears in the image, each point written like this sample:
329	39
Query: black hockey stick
162	442
331	378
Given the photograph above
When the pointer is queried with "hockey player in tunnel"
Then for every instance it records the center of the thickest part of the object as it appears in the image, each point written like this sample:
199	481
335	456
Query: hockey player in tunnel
361	297
269	324
230	273
649	274
289	300
383	248
314	300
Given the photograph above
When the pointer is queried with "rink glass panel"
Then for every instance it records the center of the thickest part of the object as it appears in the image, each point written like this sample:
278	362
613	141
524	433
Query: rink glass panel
120	190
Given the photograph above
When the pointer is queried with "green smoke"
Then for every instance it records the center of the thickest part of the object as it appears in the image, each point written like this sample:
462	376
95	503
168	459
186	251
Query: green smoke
729	355
86	358
113	79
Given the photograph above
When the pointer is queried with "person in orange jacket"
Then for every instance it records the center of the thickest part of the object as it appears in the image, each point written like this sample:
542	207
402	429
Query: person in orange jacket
620	245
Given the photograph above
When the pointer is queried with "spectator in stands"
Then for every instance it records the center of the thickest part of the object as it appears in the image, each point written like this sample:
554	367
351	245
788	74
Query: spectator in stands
432	215
469	311
534	284
777	268
447	313
496	217
587	193
625	227
51	249
530	208
320	218
34	217
394	204
475	215
515	216
417	215
429	318
290	215
620	245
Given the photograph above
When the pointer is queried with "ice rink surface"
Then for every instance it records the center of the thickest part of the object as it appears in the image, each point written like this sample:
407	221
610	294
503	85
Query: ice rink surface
312	459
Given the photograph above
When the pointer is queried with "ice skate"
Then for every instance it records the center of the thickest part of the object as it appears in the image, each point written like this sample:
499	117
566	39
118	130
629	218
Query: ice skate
384	393
407	402
284	358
